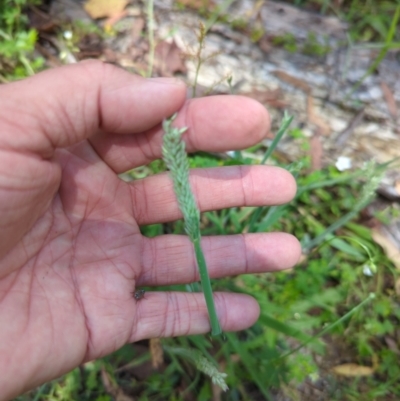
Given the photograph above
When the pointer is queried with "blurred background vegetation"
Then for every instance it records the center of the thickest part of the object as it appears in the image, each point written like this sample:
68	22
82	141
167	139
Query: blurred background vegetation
321	334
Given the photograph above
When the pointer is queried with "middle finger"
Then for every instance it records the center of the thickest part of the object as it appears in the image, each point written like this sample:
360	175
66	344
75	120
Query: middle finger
154	201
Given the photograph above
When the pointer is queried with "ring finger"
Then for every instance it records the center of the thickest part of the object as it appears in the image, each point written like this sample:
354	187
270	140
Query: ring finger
169	259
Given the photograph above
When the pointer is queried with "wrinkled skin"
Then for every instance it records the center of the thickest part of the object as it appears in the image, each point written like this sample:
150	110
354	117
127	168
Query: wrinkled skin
71	252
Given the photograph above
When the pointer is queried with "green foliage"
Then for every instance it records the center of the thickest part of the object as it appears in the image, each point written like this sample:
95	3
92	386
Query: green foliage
327	294
17	42
314	47
368	20
256	33
301	309
287	41
175	158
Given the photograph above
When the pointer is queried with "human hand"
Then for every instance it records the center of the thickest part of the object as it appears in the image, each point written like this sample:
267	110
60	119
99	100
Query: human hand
71	252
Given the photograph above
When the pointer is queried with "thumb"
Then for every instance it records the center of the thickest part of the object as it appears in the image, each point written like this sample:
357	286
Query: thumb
63	106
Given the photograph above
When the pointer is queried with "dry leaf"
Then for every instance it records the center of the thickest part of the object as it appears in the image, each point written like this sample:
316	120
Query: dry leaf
352	125
353	370
390	192
265	44
270	97
42	21
112	388
397	286
254	12
105	8
90	46
316	152
392	344
137	29
156	352
390	100
389	247
169	59
291	80
114	19
397	186
314	118
198	4
303	258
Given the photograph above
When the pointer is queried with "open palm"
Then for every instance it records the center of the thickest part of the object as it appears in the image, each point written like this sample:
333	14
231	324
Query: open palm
71	252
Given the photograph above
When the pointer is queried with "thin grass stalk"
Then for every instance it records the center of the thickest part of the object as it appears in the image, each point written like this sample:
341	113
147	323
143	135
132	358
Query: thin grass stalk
204	28
247	360
331	326
39	392
382	53
220	10
198	56
330	182
287	120
150	34
336	225
175	157
207	289
374	174
202	364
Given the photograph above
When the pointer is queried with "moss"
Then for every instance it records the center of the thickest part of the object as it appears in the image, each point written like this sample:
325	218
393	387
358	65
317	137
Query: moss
256	33
287	41
312	47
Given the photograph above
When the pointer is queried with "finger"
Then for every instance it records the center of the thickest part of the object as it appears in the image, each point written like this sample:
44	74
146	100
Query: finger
169	259
216	123
154	201
170	314
63	106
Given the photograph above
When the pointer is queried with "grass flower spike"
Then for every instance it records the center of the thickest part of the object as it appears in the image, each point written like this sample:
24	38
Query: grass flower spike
174	156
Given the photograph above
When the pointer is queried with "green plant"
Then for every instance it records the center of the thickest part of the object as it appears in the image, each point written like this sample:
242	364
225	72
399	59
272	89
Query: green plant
389	37
319	307
257	33
314	47
287	41
202	364
175	158
312	308
150	34
17	41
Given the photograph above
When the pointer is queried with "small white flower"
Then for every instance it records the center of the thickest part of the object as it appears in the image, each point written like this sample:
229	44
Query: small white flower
68	35
367	270
343	163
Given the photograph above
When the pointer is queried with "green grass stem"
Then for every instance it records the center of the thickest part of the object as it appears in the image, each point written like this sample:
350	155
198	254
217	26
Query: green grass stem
150	34
328	328
207	290
374	174
287	120
175	157
387	45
